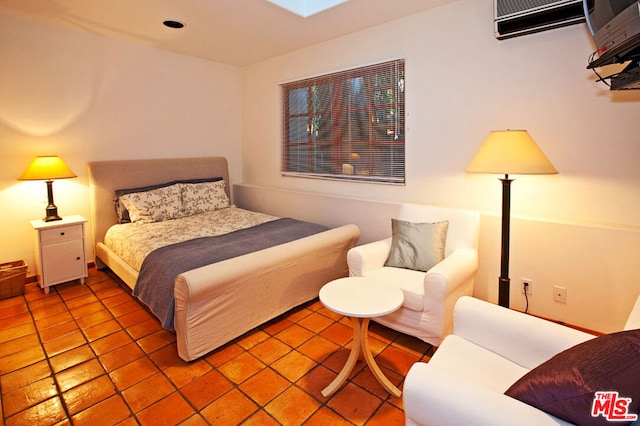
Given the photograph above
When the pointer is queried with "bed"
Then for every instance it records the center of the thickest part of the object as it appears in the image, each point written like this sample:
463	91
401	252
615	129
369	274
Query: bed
217	302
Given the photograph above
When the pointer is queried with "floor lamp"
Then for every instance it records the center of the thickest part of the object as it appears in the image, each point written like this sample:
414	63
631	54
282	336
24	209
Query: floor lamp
509	152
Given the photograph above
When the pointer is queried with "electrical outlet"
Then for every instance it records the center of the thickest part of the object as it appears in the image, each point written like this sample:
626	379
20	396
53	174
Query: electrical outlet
559	294
526	283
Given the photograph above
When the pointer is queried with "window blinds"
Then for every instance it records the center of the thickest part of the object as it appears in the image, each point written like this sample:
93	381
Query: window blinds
347	125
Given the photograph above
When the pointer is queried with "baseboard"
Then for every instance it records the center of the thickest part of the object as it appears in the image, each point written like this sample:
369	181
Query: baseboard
34	278
575	327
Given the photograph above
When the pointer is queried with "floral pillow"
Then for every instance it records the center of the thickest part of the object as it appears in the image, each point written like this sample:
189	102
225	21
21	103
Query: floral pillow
121	210
203	197
155	205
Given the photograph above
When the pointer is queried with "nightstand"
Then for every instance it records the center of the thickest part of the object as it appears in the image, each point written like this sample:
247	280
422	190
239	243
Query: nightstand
60	251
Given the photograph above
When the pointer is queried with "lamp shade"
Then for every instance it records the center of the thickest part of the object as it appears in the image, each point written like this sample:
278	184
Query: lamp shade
47	167
510	152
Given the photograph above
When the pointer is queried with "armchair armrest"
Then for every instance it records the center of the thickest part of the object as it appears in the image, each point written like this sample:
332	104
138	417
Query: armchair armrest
437	397
521	338
453	271
367	257
444	284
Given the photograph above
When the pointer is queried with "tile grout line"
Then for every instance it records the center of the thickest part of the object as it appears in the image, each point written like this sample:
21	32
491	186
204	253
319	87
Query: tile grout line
145	355
283	322
46	355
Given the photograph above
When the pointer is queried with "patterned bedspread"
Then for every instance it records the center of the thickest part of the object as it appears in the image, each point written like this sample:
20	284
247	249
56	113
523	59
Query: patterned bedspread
133	242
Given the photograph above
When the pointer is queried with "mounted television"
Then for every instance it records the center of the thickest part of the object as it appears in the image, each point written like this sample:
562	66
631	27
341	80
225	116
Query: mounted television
615	28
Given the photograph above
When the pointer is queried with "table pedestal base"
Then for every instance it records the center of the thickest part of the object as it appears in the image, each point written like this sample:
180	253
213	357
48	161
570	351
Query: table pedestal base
360	343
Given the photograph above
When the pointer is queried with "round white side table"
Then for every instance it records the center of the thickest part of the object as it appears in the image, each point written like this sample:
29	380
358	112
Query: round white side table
360	298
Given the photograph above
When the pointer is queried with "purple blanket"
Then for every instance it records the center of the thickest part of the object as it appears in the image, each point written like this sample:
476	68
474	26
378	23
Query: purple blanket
155	283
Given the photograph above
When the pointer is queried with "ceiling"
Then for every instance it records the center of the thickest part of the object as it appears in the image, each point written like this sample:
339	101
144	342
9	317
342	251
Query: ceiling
235	32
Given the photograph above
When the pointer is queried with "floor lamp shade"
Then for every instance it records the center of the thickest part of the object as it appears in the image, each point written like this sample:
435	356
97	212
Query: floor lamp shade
48	168
509	152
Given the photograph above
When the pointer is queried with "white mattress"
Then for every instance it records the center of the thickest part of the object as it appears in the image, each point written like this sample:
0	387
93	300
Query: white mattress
134	241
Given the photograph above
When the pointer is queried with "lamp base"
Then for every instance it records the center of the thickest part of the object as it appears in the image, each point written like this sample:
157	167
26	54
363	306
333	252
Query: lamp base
52	214
504	285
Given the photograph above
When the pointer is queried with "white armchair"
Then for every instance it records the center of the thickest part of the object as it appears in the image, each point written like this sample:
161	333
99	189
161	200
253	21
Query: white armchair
429	297
490	349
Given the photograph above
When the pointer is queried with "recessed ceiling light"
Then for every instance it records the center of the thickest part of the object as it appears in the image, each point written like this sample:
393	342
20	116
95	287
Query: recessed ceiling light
173	24
306	8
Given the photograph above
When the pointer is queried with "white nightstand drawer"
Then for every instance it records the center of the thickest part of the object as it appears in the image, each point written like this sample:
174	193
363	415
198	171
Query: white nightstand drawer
56	235
60	253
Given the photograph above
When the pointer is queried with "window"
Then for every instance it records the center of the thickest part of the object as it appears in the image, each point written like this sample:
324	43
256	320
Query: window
348	125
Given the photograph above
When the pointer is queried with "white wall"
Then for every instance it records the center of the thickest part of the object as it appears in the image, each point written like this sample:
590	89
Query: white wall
600	281
462	83
85	97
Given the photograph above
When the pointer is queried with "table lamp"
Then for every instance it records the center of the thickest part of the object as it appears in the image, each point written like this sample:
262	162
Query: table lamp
509	152
48	168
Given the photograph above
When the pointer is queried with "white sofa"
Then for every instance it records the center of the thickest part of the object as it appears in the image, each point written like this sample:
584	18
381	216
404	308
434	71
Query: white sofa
490	349
429	297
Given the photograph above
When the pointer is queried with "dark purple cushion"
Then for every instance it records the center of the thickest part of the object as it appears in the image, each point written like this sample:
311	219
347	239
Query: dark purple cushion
565	385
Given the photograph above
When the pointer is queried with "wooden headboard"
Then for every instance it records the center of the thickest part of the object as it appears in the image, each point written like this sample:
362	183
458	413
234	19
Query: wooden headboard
105	177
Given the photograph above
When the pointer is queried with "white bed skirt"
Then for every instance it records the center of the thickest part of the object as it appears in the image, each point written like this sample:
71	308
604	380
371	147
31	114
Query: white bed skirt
219	302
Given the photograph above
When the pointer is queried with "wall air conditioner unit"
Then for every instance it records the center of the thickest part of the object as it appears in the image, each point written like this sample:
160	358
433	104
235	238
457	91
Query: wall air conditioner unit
519	17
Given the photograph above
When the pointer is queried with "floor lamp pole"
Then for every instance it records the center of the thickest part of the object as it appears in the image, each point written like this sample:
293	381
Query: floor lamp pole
504	282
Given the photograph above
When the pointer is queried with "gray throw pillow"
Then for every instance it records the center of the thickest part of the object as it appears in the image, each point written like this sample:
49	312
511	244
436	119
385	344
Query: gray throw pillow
417	246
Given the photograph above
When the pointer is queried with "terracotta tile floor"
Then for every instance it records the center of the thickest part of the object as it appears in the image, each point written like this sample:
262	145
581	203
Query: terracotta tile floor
91	354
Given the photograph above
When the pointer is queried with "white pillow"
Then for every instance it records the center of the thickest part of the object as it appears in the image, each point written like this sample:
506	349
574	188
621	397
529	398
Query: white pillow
155	205
203	197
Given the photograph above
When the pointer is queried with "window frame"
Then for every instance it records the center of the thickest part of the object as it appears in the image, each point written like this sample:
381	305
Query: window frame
374	152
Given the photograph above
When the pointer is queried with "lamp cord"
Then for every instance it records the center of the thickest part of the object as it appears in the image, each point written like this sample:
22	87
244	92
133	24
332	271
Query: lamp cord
526	298
600	78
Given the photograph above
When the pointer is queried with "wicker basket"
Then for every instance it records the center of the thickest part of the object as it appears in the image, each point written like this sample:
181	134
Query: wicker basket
12	278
